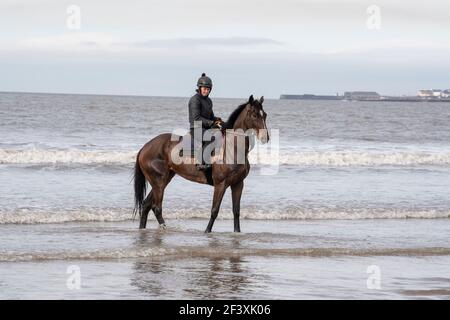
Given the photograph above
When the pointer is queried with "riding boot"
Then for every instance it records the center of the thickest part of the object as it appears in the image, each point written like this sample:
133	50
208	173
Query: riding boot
203	165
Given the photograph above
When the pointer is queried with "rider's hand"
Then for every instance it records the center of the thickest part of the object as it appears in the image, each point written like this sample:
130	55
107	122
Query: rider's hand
218	124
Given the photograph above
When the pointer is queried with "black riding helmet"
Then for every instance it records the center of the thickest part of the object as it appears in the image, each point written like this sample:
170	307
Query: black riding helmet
204	81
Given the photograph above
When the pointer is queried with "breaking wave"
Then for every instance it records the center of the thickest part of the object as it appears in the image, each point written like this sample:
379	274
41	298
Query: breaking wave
38	216
69	156
42	216
306	158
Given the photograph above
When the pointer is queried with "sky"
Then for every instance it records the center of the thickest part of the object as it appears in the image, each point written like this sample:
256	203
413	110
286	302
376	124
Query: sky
261	47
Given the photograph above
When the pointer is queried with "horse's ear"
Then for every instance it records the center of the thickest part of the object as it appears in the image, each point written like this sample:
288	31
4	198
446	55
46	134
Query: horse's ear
251	99
261	100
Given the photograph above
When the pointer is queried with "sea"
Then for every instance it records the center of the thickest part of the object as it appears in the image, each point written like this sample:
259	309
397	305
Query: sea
348	200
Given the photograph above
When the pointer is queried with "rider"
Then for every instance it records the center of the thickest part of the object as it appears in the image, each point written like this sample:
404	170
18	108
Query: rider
201	110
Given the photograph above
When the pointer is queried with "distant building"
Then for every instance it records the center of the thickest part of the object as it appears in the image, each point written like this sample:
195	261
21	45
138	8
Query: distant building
437	93
425	93
434	94
361	95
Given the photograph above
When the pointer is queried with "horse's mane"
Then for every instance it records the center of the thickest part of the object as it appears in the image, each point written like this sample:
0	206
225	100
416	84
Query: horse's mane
234	115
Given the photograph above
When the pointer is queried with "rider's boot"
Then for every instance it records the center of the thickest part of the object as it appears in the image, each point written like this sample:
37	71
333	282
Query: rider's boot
203	165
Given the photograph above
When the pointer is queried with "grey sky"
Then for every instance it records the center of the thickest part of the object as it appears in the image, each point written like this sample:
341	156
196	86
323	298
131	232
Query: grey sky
254	46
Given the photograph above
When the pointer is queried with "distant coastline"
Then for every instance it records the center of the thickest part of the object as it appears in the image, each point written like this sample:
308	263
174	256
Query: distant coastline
433	95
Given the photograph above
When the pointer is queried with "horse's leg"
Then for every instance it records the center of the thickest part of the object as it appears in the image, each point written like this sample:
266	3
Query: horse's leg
157	205
236	192
219	191
148	203
158	195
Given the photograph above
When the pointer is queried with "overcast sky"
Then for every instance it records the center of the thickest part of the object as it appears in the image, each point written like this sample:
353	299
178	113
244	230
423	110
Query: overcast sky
144	47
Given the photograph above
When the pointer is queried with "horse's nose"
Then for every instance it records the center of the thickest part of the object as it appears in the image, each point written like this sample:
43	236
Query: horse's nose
265	137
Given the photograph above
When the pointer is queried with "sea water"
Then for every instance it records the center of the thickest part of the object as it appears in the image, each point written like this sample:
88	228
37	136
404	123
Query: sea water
341	187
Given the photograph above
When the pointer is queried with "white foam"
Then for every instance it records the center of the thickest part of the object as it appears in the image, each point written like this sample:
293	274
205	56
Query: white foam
41	216
352	158
300	213
69	156
303	158
36	216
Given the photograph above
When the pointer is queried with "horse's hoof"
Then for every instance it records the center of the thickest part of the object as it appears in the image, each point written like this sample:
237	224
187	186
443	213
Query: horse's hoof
162	226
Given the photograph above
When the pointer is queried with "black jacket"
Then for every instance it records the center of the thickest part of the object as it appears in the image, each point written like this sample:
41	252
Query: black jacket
201	109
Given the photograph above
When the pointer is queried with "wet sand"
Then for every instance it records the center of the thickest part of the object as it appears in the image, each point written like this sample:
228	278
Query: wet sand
276	259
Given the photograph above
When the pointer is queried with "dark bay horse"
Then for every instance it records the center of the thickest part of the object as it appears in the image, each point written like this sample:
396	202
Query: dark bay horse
155	164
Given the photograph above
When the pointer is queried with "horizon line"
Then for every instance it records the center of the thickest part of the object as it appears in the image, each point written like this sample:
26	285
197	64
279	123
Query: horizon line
115	95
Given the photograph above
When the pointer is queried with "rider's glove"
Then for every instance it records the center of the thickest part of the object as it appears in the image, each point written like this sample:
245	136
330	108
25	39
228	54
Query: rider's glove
218	124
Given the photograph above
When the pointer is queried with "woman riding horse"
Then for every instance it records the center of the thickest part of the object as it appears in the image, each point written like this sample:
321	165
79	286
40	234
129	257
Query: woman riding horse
156	163
201	118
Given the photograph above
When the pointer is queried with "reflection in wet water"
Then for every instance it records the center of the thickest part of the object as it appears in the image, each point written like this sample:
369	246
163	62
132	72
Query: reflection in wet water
148	238
209	278
222	277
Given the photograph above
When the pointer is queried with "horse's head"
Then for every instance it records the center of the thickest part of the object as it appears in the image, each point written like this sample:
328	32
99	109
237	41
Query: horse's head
256	118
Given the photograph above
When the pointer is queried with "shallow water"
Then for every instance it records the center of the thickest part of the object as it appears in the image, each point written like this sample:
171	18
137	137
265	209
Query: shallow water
271	259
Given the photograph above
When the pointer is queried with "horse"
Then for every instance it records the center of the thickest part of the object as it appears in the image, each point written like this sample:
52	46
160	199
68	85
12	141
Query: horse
155	164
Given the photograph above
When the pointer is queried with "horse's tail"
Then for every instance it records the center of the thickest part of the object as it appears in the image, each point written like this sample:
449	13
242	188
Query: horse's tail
140	187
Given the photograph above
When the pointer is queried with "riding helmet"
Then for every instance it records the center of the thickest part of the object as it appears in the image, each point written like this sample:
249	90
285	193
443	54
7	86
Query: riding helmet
204	81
